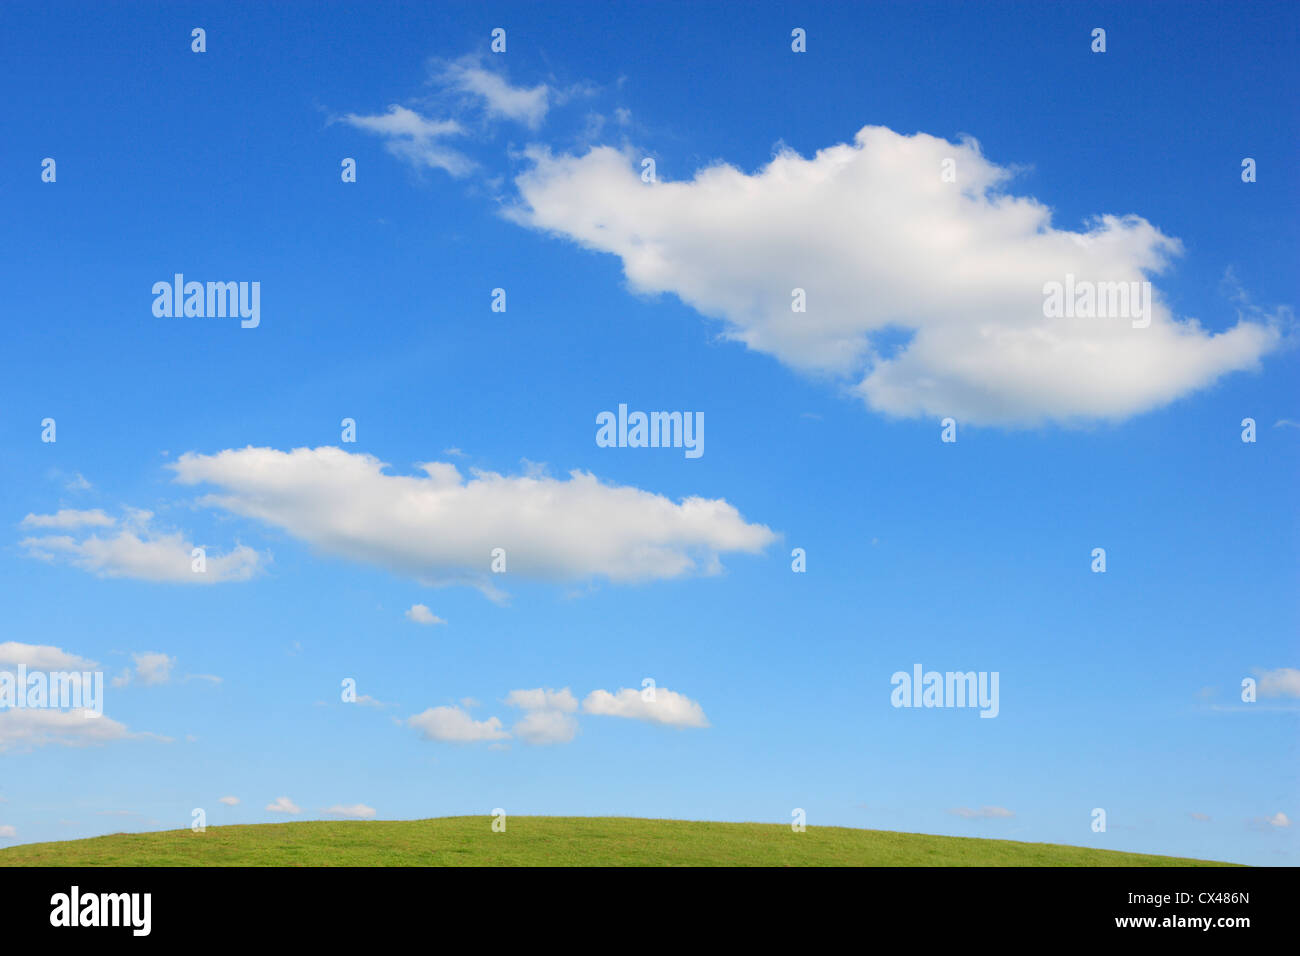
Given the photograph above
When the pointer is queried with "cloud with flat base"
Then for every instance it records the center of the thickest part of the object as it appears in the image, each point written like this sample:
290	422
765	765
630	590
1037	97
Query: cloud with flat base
420	614
455	725
41	657
25	729
662	707
922	297
283	805
443	528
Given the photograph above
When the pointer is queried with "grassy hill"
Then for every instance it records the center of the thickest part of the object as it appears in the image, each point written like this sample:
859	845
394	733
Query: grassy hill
556	841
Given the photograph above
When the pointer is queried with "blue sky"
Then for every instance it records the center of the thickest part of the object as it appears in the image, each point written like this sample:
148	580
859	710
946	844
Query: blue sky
1118	690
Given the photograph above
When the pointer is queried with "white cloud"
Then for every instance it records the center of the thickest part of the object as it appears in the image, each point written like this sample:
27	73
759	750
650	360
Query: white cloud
500	99
137	551
67	518
666	707
28	728
152	668
357	811
400	121
420	614
283	805
983	813
229	801
456	726
415	138
7	831
41	657
442	528
1279	819
543	699
1282	682
542	727
78	483
547	719
884	249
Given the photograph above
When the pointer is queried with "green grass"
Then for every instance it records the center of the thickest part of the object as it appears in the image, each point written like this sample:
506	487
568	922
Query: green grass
557	841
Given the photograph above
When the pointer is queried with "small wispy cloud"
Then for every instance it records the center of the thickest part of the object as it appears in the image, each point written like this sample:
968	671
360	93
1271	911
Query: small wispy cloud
1278	821
983	813
499	99
68	518
417	139
420	614
1280	682
151	668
